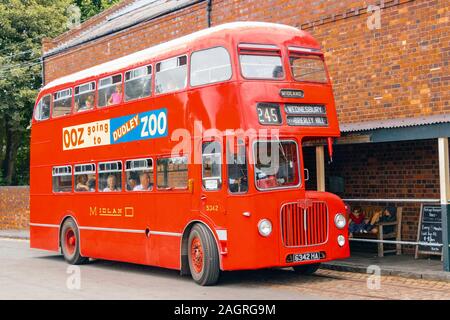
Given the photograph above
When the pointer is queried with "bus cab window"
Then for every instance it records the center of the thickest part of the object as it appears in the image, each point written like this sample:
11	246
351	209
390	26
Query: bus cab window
261	66
211	166
171	75
43	108
85	178
210	66
84	97
139	175
237	170
62	103
110	91
62	179
138	83
110	176
172	173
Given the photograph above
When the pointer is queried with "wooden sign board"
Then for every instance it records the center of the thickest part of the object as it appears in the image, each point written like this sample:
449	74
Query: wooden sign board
430	230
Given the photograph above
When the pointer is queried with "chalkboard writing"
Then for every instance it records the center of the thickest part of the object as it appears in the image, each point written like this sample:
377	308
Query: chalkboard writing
430	229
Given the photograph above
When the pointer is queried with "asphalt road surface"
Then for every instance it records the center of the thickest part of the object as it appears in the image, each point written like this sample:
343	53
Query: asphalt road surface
35	274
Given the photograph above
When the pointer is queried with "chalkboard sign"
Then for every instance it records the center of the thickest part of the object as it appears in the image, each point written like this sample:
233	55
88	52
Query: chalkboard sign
430	229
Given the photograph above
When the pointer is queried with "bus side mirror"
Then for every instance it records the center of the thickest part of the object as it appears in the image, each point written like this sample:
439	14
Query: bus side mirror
306	175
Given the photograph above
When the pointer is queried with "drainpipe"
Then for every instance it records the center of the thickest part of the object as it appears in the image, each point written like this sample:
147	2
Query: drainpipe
43	70
444	178
208	12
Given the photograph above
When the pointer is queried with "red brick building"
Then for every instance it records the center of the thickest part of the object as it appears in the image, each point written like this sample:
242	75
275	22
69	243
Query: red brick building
391	82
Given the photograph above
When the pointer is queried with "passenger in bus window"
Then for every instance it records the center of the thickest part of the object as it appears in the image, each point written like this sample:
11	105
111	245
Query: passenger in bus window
89	102
82	183
131	183
145	185
278	72
116	96
111	184
91	182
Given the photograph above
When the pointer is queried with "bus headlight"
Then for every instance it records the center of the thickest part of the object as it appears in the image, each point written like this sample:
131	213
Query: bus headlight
265	227
340	221
341	240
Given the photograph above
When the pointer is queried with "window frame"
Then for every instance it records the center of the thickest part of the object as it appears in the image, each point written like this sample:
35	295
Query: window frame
49	111
247	164
300	182
134	170
259	49
99	87
209	83
187	74
99	171
151	74
170	189
62	175
84	172
56	100
95	96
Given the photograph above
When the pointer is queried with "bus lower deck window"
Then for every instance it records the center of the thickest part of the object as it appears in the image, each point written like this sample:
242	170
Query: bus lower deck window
85	178
138	83
172	173
62	103
308	68
62	179
110	176
237	170
211	166
139	175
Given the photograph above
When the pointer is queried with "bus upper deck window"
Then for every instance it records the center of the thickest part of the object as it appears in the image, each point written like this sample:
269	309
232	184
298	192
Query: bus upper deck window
85	178
210	66
138	83
260	61
85	97
139	175
172	173
310	68
62	179
110	91
110	176
43	108
62	103
171	75
212	166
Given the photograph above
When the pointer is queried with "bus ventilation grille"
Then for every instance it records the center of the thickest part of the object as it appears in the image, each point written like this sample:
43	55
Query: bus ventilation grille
304	226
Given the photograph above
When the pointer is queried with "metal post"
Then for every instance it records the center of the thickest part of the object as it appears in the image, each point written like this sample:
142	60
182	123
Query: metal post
320	168
444	179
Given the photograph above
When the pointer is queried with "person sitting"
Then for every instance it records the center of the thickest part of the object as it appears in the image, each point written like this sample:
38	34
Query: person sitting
82	183
144	179
116	96
388	214
111	184
89	102
131	184
91	182
357	221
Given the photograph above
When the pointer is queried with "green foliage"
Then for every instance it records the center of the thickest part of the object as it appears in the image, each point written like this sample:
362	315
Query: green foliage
90	8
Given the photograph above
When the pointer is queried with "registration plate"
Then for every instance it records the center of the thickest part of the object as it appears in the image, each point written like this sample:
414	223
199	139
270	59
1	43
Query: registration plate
309	256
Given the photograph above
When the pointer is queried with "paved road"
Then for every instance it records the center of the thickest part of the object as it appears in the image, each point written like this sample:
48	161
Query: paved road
34	274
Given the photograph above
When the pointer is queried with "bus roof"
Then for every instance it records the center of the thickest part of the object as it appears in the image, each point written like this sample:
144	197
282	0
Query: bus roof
146	54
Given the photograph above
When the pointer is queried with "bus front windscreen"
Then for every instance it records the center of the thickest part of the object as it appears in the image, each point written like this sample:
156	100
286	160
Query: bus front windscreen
276	164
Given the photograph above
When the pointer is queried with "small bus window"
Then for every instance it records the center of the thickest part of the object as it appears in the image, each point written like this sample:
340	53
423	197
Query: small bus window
110	91
172	173
139	174
43	108
85	179
138	83
211	166
209	66
171	75
62	103
308	68
110	176
261	66
62	179
277	164
237	170
84	97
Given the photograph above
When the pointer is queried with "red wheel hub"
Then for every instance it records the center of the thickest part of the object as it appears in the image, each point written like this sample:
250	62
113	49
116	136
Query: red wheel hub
197	255
71	241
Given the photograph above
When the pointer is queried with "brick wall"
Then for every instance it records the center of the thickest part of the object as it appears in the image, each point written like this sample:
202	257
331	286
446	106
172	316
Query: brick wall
400	70
14	207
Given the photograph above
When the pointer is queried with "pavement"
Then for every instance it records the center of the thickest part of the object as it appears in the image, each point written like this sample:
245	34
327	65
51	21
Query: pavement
34	274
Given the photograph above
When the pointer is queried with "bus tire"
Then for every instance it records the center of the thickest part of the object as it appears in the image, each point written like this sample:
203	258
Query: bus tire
203	256
306	269
70	243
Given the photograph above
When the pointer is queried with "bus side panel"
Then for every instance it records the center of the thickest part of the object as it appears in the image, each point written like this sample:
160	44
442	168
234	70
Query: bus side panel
165	251
45	238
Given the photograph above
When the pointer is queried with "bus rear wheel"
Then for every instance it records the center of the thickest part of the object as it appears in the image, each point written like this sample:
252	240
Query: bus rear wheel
203	256
306	269
70	243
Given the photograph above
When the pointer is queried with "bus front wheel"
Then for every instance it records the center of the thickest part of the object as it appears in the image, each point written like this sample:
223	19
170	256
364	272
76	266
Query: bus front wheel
306	269
203	256
70	243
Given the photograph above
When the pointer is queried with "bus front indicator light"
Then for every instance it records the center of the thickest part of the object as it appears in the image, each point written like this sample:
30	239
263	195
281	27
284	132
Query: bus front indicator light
265	227
340	221
341	240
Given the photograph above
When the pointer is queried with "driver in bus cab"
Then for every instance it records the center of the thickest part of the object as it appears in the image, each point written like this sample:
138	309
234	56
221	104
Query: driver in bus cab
144	180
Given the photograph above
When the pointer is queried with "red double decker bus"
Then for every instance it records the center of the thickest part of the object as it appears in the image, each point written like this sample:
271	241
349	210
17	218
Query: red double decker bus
188	156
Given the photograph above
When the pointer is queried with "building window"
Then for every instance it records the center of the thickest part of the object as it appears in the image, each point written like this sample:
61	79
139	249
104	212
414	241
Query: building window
85	97
210	66
62	179
139	174
171	75
43	108
110	176
172	173
138	83
110	91
211	166
237	169
85	177
261	66
62	103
